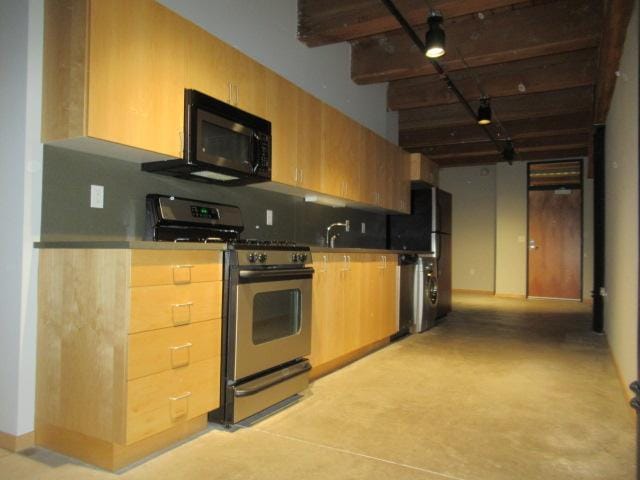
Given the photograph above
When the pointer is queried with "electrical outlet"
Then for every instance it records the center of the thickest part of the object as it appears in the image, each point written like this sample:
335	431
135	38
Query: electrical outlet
269	217
363	228
97	196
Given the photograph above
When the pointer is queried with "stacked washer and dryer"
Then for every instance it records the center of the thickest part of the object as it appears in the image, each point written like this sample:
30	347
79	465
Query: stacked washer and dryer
425	276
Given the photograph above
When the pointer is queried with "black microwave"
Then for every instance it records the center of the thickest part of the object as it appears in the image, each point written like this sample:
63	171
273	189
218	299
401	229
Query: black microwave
223	144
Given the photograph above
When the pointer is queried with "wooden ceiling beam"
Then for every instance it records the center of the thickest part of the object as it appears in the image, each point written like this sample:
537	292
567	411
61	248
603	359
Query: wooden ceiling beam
516	34
535	75
523	156
332	21
565	124
505	108
616	20
570	141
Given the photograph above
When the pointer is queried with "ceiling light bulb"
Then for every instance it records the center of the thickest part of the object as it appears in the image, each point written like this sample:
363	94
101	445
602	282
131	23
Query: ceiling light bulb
484	111
435	37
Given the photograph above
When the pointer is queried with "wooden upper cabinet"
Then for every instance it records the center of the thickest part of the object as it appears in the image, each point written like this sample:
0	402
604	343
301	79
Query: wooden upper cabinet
136	75
423	169
282	112
208	64
342	152
310	145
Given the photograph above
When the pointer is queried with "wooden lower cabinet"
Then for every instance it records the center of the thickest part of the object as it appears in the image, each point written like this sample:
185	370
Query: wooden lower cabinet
128	350
354	305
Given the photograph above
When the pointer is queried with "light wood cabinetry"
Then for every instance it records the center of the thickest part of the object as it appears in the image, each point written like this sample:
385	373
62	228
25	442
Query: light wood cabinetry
423	169
342	154
354	304
120	373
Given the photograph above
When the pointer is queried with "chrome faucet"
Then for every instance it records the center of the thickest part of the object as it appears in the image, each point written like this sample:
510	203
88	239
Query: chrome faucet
331	239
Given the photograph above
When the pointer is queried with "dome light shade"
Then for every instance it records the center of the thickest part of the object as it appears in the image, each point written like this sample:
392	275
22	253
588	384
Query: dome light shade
435	37
484	111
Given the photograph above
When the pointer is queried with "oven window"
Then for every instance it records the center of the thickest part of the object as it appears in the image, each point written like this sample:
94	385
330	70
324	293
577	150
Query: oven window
275	315
221	142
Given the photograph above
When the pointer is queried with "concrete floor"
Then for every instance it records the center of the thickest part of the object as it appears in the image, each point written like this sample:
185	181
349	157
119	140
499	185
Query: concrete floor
503	389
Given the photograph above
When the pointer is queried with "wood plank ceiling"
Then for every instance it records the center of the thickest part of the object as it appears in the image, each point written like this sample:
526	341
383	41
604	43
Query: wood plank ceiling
548	66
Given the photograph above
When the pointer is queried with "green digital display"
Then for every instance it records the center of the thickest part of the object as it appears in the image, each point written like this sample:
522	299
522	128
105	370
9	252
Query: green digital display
204	212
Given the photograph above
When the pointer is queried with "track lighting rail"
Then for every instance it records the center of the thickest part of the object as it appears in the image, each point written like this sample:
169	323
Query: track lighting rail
443	75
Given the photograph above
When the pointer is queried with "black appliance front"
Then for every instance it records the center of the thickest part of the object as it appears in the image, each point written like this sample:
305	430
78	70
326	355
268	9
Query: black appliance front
223	145
412	232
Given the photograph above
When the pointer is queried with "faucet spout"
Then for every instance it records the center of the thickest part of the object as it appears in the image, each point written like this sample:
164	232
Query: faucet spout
330	241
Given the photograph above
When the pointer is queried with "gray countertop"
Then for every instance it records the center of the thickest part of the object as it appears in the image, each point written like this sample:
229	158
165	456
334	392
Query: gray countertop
380	251
134	244
149	245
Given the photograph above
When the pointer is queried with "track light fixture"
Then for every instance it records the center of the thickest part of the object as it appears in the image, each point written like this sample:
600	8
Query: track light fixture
484	111
508	153
434	39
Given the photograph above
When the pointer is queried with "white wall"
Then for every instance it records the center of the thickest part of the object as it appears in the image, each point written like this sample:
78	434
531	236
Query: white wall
511	229
20	193
621	210
473	191
266	31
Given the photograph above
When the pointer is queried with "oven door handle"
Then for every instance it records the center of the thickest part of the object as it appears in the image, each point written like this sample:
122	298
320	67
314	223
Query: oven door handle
306	272
257	386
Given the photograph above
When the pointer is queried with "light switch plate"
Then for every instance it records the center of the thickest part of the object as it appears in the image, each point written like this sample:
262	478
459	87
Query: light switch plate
269	217
97	196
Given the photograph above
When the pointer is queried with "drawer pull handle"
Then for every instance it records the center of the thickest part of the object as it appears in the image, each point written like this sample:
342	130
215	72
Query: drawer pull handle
180	397
180	315
182	274
180	355
179	405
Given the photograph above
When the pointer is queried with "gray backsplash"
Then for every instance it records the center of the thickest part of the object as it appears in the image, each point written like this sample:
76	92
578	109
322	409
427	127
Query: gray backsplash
66	214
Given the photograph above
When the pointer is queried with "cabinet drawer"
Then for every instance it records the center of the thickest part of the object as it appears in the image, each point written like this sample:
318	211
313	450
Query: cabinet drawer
158	402
172	305
162	267
175	347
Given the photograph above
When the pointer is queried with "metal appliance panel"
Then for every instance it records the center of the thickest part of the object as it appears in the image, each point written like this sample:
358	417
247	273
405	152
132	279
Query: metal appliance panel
254	396
251	358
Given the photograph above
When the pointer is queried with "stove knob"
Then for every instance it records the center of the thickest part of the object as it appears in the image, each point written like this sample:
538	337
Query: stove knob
294	257
302	257
262	257
251	257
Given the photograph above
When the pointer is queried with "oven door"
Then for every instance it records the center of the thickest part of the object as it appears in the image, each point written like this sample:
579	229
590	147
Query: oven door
272	320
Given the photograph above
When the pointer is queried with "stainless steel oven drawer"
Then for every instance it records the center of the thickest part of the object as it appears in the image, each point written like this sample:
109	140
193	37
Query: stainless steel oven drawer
256	395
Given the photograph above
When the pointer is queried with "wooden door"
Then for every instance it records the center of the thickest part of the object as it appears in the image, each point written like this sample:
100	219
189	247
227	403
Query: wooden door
390	296
555	237
248	78
282	111
309	141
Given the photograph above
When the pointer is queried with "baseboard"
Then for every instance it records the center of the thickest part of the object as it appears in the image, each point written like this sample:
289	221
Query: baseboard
344	360
519	296
15	443
625	388
465	291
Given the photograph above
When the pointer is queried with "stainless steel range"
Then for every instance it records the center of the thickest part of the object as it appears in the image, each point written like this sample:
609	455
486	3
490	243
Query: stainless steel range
266	304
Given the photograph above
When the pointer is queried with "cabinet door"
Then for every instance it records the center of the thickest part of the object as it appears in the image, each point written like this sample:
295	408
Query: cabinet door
335	141
351	301
310	142
353	159
248	78
136	85
389	296
370	313
369	191
282	112
208	67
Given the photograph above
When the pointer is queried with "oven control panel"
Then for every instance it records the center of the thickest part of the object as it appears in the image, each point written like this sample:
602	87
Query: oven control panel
273	257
